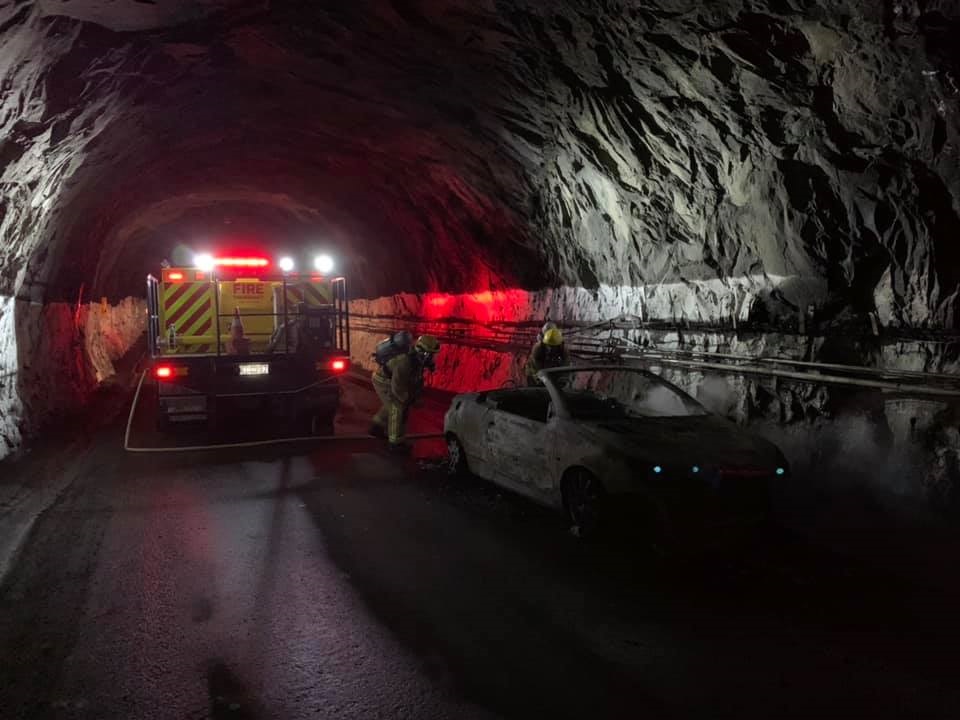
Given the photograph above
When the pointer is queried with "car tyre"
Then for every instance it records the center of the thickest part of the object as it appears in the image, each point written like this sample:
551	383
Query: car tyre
456	458
583	499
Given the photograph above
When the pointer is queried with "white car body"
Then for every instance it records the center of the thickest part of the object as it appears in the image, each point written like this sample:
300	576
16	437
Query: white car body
528	439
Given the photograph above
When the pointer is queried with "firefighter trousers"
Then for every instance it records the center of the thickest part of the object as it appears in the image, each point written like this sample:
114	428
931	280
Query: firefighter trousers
392	414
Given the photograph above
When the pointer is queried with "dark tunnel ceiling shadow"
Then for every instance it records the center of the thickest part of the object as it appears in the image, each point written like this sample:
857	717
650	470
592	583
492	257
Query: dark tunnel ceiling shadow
179	227
525	145
257	107
407	227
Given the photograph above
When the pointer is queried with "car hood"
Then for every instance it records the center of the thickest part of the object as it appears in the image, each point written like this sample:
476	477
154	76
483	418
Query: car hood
703	440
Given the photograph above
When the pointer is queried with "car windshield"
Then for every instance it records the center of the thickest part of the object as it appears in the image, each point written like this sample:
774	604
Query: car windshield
620	393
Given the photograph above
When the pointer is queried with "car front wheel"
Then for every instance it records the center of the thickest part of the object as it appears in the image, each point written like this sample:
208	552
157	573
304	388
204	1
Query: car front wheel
583	500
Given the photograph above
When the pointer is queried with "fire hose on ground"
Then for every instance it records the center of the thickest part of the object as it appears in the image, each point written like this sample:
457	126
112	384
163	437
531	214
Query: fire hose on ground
245	444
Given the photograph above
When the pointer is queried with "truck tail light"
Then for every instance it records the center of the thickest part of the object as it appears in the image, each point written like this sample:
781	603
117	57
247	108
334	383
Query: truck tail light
166	372
336	366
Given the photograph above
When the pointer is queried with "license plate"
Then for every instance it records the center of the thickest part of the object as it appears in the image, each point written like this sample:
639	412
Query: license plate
254	368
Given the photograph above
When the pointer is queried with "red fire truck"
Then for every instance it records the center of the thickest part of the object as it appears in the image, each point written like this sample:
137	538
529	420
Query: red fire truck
247	334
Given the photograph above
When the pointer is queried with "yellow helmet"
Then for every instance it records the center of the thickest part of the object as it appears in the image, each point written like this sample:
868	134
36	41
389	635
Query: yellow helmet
428	344
553	337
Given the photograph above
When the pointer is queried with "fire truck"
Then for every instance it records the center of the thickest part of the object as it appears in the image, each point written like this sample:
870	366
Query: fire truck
237	335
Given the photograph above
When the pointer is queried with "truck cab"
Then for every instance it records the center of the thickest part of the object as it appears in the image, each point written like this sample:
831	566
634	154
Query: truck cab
244	334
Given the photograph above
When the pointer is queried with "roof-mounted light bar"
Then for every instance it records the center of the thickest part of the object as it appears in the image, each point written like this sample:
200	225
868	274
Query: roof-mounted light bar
207	262
244	262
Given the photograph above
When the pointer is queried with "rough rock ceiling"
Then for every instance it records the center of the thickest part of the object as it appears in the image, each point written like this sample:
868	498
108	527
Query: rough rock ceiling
459	144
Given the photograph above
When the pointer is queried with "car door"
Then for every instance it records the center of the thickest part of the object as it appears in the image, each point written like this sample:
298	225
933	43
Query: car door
472	434
519	448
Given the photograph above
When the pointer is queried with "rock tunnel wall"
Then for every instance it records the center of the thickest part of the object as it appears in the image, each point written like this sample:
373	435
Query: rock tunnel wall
64	353
615	143
716	303
674	158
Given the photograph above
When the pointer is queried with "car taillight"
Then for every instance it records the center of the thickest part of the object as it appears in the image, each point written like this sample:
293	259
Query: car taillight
338	365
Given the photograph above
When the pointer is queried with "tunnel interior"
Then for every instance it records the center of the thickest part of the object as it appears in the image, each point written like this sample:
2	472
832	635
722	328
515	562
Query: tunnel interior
764	193
700	161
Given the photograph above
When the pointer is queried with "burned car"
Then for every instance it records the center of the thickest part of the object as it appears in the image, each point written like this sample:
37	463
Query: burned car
603	441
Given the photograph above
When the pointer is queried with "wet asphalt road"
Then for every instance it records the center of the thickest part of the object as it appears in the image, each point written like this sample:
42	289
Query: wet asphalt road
340	582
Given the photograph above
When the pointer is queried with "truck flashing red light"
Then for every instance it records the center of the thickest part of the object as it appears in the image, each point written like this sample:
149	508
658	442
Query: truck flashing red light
338	365
175	276
245	262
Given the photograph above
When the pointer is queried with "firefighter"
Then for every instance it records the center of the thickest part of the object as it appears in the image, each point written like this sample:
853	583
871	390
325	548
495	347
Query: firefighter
398	383
549	352
547	327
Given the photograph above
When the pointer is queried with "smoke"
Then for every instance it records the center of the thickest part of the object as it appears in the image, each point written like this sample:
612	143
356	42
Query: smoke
663	401
849	472
870	462
720	396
